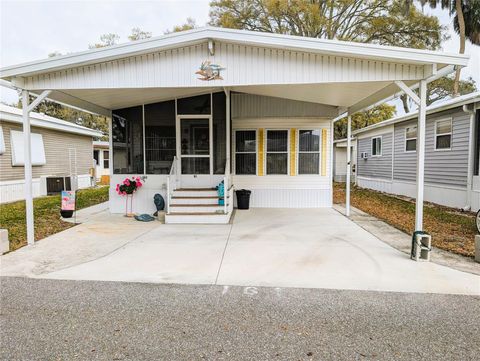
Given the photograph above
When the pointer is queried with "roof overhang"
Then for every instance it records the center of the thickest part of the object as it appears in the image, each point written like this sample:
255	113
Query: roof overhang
353	76
471	98
14	115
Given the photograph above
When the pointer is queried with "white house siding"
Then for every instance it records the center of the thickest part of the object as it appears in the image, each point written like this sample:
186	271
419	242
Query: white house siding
244	65
297	191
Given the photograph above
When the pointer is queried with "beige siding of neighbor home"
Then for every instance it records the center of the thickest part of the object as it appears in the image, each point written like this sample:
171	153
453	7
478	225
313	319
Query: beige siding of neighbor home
57	145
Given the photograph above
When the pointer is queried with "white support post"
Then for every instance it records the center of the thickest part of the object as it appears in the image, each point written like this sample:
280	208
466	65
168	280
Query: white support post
349	165
420	155
28	168
228	130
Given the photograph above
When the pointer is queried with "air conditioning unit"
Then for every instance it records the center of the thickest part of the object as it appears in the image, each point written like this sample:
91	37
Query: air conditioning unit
364	155
57	184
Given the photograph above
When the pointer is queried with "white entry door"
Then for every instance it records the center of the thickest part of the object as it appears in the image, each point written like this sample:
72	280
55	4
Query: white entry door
194	149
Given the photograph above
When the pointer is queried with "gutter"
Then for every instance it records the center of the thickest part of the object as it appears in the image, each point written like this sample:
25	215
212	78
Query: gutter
471	151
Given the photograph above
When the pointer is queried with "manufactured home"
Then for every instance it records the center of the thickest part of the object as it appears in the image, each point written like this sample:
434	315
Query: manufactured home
61	154
101	157
255	110
387	151
340	160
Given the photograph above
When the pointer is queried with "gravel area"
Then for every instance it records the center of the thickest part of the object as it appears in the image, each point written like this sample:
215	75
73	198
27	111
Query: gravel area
80	320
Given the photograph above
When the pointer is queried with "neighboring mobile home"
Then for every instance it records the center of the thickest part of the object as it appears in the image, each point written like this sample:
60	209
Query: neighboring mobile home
255	110
340	160
61	154
386	156
101	157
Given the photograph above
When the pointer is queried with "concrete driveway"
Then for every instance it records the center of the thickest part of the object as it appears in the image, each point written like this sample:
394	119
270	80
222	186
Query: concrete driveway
314	248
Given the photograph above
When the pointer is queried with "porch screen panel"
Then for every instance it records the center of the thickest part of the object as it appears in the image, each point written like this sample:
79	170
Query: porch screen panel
309	151
160	142
219	133
277	151
245	152
194	105
127	138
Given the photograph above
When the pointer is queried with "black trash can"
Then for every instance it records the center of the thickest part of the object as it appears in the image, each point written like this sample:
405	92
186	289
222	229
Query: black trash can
243	198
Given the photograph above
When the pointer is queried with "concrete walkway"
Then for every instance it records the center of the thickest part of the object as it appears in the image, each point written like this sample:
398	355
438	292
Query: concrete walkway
314	248
403	242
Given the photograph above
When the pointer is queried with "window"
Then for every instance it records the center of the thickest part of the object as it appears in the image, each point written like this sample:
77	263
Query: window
106	159
160	141
411	138
219	112
277	151
96	154
308	151
127	138
443	134
194	105
246	152
376	147
37	150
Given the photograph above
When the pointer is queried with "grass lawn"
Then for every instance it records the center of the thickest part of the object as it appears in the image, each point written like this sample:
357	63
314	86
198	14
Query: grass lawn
46	213
451	230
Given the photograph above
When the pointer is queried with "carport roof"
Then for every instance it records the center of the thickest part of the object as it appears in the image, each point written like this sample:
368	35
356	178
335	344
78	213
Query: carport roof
340	74
279	41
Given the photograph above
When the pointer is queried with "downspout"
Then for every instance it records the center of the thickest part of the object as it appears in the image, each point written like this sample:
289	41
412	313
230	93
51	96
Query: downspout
471	151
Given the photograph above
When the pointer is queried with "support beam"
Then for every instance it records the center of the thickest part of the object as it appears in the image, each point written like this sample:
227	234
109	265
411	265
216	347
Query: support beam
420	156
37	101
228	131
349	165
408	91
28	168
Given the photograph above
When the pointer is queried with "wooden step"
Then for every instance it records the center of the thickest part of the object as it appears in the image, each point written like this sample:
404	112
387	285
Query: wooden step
195	197
196	214
195	205
195	189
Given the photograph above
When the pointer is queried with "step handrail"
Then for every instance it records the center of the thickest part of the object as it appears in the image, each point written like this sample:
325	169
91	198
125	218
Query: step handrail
227	187
171	182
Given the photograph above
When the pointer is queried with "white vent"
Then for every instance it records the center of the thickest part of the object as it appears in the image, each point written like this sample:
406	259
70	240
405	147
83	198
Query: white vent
364	155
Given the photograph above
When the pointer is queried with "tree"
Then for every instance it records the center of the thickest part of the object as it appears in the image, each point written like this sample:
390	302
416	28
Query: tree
188	25
441	89
371	21
138	34
466	21
106	40
364	119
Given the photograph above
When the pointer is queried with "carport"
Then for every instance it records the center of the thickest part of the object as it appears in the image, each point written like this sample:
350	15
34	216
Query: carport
274	247
348	76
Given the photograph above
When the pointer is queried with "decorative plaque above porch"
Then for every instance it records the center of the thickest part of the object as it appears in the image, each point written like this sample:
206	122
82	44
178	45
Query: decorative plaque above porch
209	71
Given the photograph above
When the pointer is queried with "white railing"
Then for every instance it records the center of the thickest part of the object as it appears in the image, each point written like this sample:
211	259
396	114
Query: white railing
172	180
227	189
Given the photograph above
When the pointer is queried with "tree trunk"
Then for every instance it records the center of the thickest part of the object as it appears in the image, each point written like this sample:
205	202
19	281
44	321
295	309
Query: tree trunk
405	103
461	28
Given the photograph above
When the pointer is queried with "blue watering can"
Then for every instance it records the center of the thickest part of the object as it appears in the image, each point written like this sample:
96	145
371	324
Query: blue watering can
221	193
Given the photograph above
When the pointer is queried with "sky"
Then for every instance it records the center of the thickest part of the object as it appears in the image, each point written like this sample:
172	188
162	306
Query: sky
30	30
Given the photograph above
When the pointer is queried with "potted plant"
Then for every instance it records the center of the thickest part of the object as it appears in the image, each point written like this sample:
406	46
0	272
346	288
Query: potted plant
126	189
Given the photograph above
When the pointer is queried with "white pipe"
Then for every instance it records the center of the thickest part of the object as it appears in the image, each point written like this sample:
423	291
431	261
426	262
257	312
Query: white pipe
471	151
420	156
28	169
349	165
